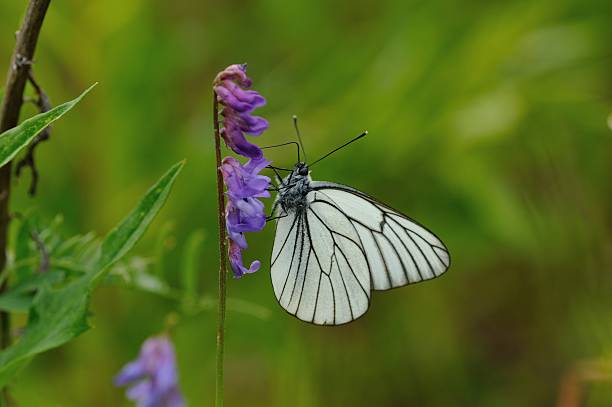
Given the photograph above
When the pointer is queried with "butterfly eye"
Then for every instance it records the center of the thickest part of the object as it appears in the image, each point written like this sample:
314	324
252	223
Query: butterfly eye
303	171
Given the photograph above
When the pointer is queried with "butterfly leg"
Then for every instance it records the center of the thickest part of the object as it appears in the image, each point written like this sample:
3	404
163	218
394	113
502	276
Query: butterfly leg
277	217
282	215
268	219
279	178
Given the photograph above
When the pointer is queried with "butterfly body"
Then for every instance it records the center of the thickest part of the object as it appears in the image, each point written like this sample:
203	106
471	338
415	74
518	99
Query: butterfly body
296	186
335	244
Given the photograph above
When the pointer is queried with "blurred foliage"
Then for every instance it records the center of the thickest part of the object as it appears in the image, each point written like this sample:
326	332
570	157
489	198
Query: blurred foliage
487	122
59	305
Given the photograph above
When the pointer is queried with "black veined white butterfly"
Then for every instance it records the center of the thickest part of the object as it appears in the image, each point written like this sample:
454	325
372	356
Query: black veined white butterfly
335	244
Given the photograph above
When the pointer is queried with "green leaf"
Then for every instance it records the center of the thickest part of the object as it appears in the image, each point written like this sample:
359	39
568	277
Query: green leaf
14	140
19	297
125	235
58	315
15	302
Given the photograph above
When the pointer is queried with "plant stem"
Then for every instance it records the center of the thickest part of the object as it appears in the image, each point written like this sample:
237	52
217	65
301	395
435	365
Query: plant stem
222	260
16	79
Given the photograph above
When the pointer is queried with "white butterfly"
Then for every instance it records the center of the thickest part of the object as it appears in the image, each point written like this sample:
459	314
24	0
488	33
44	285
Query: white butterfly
335	244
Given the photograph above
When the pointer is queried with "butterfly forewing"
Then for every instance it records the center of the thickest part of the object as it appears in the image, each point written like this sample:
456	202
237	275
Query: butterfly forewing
323	277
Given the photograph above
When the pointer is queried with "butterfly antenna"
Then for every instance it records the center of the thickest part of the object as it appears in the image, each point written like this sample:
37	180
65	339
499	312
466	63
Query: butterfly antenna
286	144
297	131
341	147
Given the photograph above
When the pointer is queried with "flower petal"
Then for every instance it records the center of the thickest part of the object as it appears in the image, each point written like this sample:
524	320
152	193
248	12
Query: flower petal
142	392
233	96
236	72
254	166
175	399
235	140
232	222
255	124
227	98
252	97
235	256
244	181
131	372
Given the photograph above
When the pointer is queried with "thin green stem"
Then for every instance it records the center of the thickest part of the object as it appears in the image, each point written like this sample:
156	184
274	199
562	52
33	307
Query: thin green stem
222	260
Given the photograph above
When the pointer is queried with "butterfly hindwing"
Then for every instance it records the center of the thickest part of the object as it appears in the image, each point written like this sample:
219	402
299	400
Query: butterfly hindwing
399	250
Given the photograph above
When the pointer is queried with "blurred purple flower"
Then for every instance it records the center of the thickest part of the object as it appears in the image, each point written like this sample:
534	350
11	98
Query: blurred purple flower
238	104
152	378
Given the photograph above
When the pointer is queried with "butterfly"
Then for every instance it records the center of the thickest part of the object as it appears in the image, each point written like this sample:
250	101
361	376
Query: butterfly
334	245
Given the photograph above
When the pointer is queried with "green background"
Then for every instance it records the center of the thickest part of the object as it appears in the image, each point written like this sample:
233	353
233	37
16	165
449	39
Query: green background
489	122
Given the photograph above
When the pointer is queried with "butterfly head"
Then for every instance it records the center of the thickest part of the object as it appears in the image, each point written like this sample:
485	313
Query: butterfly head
301	169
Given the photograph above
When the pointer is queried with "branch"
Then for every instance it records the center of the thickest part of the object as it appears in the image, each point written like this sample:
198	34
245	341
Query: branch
27	36
16	79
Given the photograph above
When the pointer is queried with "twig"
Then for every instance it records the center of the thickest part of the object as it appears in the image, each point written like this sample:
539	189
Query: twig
44	105
222	261
16	79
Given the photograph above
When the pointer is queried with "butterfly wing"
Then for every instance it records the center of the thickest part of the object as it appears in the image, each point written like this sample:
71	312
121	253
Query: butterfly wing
326	259
319	270
399	250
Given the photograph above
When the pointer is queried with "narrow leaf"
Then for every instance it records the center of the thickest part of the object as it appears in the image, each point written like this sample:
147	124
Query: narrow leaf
123	237
14	140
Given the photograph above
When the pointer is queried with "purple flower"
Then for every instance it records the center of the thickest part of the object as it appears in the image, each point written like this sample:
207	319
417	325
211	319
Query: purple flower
238	99
152	378
244	215
236	72
244	181
235	256
244	212
229	86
